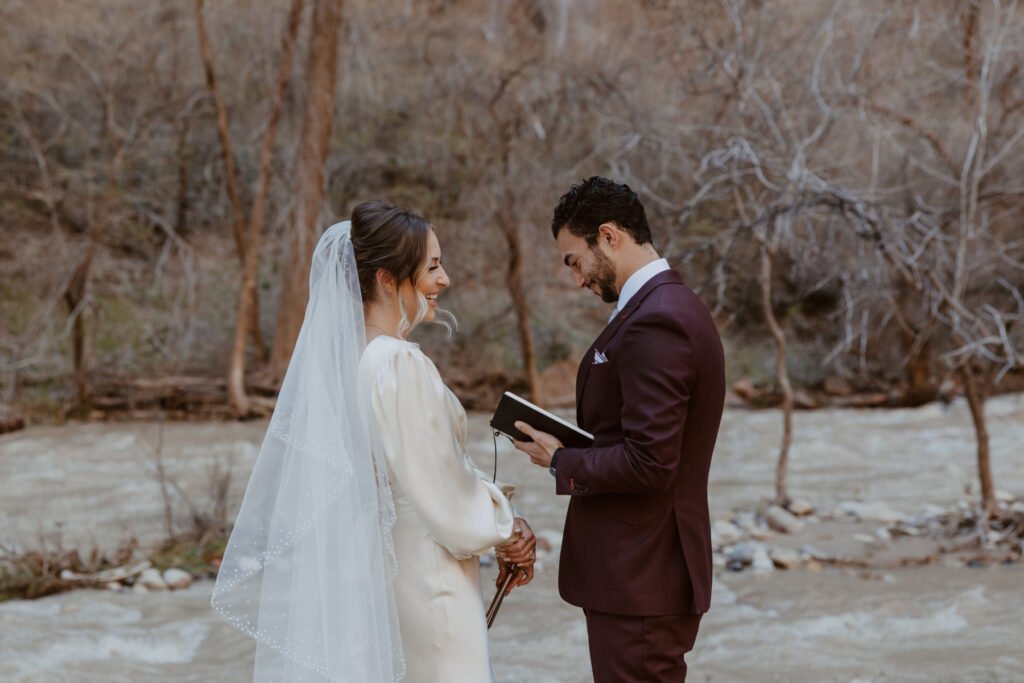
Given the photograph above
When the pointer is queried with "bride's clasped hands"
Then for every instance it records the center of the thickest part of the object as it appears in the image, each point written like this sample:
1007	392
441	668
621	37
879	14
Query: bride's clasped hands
521	552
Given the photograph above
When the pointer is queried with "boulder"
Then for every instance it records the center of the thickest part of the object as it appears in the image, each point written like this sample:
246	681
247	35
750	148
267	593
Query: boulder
781	520
785	558
151	580
177	579
752	526
745	389
868	512
837	386
726	532
804	400
745	552
801	508
814	553
761	562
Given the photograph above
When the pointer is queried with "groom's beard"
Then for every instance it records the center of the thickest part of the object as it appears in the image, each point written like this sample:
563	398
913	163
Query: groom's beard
603	276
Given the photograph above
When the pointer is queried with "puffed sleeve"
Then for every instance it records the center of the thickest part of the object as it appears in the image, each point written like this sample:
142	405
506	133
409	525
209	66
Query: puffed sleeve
462	512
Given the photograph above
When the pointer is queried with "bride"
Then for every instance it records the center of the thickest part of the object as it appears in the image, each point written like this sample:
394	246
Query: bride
355	555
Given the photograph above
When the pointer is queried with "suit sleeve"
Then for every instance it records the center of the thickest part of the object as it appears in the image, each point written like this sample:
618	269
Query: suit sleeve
462	512
656	370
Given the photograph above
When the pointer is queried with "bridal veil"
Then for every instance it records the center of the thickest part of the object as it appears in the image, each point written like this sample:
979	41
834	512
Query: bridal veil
309	568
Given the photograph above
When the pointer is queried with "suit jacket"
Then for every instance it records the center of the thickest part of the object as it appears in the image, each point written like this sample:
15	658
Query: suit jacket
638	533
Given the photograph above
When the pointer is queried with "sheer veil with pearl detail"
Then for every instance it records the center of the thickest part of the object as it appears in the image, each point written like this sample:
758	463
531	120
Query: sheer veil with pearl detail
310	565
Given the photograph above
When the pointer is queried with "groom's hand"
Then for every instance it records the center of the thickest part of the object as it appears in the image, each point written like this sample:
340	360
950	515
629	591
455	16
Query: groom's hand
541	448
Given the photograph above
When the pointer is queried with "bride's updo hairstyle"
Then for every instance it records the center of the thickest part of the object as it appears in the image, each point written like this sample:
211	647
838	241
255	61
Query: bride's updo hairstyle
389	238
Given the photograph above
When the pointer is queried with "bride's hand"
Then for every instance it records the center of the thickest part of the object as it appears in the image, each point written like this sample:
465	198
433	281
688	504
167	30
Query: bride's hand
522	549
524	575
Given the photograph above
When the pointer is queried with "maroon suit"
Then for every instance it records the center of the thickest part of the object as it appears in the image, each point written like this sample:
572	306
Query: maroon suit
636	553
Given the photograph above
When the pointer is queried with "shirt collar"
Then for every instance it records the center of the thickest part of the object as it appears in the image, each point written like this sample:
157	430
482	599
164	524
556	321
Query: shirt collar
637	280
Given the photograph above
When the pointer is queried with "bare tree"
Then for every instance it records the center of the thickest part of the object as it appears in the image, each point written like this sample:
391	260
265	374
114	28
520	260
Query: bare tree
248	304
318	117
251	321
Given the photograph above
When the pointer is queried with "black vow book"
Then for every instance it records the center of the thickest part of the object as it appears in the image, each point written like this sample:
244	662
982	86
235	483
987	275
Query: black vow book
512	408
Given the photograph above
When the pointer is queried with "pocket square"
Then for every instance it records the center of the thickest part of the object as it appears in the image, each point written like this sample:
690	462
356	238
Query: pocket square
599	358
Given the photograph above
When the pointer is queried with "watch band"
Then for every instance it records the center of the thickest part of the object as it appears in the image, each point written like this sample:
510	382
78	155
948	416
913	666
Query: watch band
554	461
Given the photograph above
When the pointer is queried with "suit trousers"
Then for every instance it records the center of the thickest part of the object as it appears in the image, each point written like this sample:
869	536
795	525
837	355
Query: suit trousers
628	649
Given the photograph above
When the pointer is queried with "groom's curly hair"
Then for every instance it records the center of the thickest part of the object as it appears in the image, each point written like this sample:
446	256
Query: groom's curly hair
599	200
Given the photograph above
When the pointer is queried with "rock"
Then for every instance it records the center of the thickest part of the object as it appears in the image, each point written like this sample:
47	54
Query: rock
868	512
745	389
10	422
718	561
904	530
152	580
727	532
68	575
746	552
814	553
177	579
801	508
139	588
748	522
785	558
1004	496
741	552
837	386
866	539
804	400
882	533
813	566
735	565
762	563
781	520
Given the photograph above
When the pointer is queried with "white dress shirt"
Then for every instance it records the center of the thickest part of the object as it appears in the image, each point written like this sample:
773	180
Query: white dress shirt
637	280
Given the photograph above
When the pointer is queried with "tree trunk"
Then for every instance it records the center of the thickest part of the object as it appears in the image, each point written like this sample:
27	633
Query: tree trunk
78	287
782	375
247	302
230	172
309	175
517	290
969	13
976	402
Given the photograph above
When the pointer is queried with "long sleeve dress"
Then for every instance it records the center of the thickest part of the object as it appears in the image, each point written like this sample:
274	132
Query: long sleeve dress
447	515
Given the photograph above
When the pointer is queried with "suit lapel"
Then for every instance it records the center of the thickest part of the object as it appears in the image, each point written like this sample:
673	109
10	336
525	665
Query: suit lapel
663	278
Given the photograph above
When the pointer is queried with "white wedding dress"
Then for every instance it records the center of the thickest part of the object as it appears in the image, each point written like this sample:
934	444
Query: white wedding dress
447	514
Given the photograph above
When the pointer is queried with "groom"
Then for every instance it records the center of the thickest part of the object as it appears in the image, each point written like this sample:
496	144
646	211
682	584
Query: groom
636	554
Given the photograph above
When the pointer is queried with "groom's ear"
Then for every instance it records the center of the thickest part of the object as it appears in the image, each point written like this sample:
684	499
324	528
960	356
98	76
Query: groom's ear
609	235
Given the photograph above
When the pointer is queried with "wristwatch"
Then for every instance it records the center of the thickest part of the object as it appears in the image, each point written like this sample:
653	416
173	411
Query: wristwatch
554	461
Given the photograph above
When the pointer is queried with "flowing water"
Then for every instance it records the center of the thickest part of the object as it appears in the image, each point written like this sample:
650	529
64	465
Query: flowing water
85	485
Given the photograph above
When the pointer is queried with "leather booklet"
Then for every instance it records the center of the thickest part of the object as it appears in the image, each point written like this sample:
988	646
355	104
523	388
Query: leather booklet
512	408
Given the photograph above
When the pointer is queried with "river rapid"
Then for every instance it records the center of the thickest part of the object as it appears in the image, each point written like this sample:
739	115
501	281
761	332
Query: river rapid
94	485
